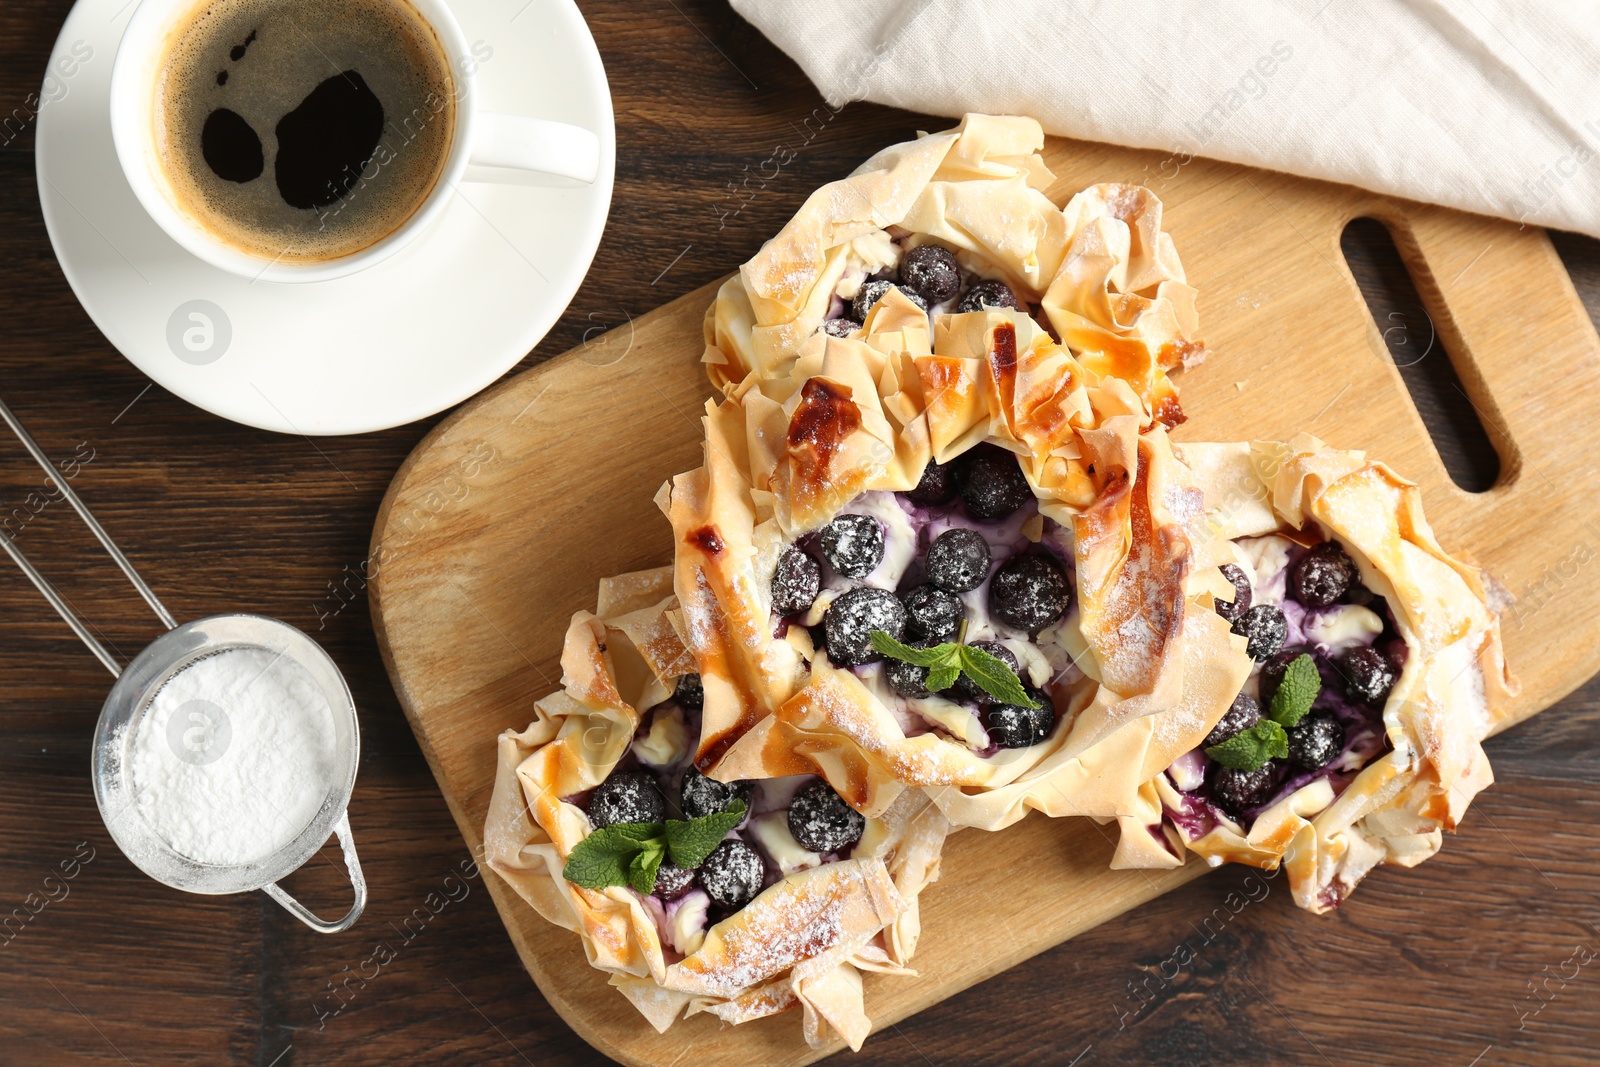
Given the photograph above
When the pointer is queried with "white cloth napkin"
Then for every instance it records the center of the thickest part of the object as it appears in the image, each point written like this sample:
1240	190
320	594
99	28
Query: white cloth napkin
1491	106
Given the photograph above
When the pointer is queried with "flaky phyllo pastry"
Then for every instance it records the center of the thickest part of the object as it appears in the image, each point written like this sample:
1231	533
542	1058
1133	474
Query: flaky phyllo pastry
796	901
991	491
955	222
1332	564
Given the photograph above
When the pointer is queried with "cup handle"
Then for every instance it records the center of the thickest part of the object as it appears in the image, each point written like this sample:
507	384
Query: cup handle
522	143
358	882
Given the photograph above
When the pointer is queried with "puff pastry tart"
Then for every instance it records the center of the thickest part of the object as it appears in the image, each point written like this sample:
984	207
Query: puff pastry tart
791	898
987	491
1377	671
955	222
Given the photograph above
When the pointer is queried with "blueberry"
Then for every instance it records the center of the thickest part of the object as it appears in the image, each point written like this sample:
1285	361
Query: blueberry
853	616
958	560
795	582
840	327
1360	594
967	689
627	796
869	293
936	486
853	544
1014	726
732	874
988	293
907	679
819	636
672	881
1242	714
1029	592
931	273
1236	791
702	796
1395	652
991	483
689	693
1367	676
1314	742
1265	628
1322	575
932	614
872	292
821	821
1241	593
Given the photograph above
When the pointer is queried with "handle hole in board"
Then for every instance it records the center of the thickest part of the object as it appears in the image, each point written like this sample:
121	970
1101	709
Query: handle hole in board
1581	256
1419	353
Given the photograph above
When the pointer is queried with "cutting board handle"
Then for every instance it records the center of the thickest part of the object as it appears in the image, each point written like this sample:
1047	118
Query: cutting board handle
1529	382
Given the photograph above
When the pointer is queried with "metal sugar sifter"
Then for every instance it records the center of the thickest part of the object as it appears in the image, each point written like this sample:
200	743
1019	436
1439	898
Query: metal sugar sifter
130	700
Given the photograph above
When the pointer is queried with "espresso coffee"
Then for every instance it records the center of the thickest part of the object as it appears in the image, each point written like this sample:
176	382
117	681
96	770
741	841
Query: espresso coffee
303	130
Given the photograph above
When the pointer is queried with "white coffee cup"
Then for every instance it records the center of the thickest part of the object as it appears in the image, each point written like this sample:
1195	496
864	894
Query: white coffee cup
509	143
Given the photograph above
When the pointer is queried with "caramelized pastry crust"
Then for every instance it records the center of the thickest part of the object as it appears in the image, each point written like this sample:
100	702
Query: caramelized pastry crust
1407	643
801	942
1130	665
954	222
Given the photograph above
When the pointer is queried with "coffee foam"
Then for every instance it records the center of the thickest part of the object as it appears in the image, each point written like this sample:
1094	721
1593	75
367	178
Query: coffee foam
299	44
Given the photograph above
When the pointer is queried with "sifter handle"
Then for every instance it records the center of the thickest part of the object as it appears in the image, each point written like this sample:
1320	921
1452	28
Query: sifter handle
358	882
56	600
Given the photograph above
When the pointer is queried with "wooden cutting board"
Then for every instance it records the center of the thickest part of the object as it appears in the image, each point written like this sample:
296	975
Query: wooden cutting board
499	525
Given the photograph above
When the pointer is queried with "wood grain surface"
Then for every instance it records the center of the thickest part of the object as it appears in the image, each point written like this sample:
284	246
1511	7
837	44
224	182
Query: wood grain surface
1475	957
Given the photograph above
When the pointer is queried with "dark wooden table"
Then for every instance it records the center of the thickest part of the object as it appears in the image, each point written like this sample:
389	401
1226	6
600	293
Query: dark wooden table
1478	957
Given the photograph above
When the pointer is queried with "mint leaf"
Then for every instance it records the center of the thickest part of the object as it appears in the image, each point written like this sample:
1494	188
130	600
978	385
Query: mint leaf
689	843
946	663
1297	692
995	677
596	868
605	858
642	870
631	853
637	833
937	656
1249	749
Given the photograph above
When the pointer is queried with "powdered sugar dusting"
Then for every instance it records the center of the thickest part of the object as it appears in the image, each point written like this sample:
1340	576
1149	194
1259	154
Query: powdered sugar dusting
771	935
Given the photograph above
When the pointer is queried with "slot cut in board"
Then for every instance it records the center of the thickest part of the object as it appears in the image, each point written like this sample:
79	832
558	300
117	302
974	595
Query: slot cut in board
1419	353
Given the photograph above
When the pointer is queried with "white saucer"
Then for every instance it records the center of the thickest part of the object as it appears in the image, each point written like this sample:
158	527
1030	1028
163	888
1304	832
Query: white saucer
421	331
